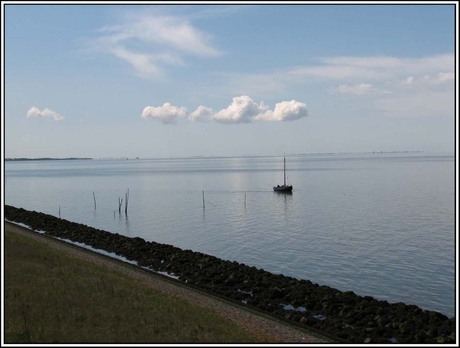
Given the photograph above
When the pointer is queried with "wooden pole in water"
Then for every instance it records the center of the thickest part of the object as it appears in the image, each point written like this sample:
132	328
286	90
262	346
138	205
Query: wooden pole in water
245	199
120	202
59	212
126	202
203	201
94	198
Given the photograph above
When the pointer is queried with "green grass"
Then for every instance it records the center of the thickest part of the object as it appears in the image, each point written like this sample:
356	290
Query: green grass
51	297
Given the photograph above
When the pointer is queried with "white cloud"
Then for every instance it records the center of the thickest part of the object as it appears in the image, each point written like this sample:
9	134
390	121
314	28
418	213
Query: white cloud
363	62
173	32
166	113
242	109
202	113
378	67
409	80
149	43
143	63
428	80
285	111
442	76
36	112
326	72
377	80
357	89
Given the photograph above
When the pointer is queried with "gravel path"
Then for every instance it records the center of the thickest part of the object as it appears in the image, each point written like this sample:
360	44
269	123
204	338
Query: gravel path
258	324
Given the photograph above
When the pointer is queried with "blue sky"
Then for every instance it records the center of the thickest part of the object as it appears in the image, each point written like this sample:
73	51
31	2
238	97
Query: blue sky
227	80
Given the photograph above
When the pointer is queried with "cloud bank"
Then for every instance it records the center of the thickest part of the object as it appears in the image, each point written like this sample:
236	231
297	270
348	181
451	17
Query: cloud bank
360	76
36	112
242	109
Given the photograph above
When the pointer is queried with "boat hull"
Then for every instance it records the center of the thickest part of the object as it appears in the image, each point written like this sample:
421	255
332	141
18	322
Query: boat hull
282	188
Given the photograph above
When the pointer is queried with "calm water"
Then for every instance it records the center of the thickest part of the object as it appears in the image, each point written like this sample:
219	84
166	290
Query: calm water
379	225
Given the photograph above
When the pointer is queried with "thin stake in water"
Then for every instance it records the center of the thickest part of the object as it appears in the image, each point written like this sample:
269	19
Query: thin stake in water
120	202
126	202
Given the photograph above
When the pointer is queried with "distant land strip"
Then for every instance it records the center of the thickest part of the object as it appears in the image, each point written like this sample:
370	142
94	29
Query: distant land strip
48	159
215	156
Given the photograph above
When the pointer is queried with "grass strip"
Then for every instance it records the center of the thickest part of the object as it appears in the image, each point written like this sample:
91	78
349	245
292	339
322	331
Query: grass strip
51	297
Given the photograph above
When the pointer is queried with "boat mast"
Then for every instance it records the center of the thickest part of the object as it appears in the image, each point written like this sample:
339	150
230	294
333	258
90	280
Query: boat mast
284	170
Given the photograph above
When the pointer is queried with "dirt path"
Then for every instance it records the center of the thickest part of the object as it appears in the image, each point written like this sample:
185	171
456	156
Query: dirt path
253	322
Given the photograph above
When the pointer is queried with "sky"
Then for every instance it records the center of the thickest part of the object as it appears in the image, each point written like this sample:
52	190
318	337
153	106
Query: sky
178	80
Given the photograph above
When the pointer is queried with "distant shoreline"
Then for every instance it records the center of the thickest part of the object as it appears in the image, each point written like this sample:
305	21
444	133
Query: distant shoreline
48	159
312	154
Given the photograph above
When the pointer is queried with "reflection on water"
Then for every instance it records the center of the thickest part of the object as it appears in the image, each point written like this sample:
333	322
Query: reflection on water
285	200
379	225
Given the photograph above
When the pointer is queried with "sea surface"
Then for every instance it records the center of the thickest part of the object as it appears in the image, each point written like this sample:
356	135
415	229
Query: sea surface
378	224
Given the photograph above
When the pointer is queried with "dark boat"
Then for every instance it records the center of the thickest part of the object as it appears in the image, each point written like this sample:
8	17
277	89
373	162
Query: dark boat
283	188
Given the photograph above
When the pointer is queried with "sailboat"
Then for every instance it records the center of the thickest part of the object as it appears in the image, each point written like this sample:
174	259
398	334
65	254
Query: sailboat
283	188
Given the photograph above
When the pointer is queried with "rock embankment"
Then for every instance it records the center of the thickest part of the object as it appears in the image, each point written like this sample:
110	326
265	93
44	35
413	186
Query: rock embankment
345	315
